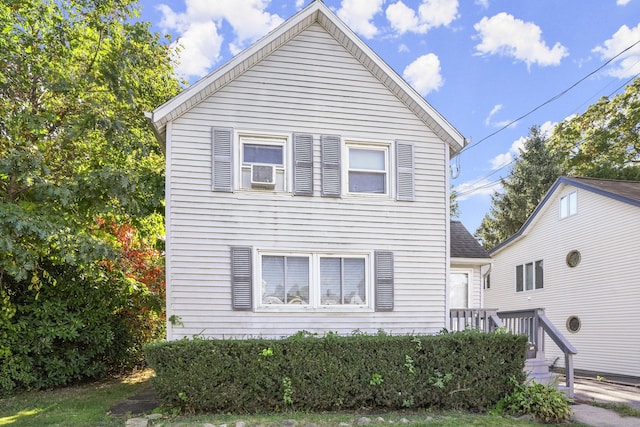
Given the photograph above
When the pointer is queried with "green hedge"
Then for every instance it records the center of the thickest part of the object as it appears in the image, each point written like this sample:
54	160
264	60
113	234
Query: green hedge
464	370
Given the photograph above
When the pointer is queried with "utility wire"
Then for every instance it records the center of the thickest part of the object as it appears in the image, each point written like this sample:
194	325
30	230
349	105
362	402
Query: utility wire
473	189
549	100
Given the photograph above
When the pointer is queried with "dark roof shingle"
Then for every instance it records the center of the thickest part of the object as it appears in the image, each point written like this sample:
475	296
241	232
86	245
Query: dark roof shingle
463	244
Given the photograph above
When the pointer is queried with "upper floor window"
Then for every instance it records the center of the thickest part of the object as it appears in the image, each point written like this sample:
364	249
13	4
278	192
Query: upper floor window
288	163
529	276
368	169
263	162
568	204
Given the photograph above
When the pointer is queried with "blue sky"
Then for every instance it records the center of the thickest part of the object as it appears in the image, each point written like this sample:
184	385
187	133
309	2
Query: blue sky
481	63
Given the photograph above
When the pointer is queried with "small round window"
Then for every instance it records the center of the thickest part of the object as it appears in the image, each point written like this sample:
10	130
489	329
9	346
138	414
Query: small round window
573	324
573	258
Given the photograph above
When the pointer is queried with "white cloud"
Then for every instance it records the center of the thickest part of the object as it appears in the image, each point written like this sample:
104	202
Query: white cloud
493	112
483	187
628	64
358	15
430	14
623	2
546	129
424	74
299	4
504	159
403	48
505	35
482	3
197	28
198	49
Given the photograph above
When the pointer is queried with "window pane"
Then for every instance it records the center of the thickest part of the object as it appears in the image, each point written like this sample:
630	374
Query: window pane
528	269
257	153
573	203
297	280
273	280
354	289
539	275
367	182
519	276
367	159
459	291
330	279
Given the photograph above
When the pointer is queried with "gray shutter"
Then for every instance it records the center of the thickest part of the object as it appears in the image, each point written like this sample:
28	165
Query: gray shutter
222	159
241	278
303	164
404	171
331	173
384	281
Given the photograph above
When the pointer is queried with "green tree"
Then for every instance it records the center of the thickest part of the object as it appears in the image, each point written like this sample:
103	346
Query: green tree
454	206
75	79
604	141
534	171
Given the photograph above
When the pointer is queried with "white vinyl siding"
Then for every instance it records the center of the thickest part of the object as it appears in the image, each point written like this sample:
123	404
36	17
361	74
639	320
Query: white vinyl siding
300	89
603	290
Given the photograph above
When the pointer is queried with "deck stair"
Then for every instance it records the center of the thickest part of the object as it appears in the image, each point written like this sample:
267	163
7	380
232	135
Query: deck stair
536	326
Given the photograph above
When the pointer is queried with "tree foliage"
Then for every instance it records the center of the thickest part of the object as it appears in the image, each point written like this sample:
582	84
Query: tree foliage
534	171
75	79
604	141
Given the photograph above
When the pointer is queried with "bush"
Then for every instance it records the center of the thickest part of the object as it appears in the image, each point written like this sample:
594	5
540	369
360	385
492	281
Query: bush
80	325
464	370
543	402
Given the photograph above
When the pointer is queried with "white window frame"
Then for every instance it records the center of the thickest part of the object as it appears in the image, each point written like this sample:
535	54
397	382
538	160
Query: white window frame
387	148
533	276
469	273
568	205
263	138
314	304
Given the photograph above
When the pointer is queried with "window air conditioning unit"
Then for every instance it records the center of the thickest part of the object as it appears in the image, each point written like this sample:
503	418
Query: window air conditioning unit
263	176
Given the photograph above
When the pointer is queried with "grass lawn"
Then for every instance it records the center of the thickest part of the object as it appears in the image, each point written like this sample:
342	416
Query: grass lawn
85	405
88	405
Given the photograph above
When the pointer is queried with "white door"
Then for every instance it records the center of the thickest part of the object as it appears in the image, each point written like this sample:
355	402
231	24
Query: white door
459	287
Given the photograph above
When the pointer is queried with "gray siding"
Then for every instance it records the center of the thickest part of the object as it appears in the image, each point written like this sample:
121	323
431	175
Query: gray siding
316	91
603	290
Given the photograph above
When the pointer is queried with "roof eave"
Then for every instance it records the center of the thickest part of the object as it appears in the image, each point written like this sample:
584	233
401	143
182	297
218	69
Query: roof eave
318	12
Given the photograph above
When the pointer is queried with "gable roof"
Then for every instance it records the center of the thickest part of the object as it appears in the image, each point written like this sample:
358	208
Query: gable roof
315	12
463	244
622	191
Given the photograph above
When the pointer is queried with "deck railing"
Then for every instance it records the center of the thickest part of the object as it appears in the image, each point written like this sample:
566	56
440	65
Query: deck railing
532	323
482	319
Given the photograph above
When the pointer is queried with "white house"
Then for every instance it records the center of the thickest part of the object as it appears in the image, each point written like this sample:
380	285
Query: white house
307	189
576	257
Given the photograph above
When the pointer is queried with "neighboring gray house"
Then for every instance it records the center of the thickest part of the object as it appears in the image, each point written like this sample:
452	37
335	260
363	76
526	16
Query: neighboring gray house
307	188
470	264
576	257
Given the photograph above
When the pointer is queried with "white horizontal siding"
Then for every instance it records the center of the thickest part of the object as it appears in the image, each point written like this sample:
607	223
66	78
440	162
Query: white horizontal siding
603	290
302	88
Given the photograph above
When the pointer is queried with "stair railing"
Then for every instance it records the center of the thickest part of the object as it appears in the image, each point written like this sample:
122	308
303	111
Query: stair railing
532	323
535	325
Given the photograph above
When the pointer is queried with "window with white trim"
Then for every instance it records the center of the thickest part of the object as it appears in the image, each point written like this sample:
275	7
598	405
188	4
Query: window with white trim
529	276
368	169
568	204
263	161
314	279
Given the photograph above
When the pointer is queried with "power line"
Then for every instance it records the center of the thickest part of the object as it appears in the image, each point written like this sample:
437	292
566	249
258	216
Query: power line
549	100
493	172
